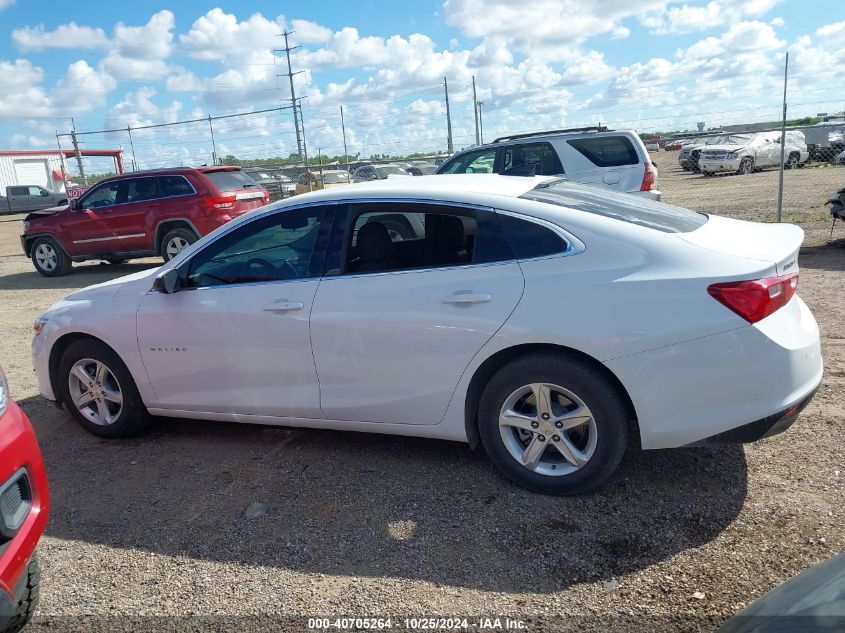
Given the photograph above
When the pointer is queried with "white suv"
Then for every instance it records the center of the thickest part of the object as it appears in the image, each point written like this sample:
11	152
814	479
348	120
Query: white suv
616	159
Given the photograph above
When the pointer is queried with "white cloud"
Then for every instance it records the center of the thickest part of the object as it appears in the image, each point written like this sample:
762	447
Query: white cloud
69	35
547	25
690	18
741	37
82	89
218	35
833	32
140	52
20	86
6	3
307	32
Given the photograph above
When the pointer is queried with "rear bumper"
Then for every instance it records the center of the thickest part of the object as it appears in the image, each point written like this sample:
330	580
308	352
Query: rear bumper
759	429
19	453
727	386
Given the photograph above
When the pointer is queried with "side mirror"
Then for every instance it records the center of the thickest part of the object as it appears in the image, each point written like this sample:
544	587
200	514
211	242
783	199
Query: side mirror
44	193
167	282
74	204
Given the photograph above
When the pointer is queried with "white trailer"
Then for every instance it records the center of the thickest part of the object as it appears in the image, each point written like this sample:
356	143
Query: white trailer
31	168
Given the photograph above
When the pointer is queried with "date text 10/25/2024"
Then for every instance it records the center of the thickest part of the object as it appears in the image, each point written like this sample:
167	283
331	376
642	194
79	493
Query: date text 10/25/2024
418	624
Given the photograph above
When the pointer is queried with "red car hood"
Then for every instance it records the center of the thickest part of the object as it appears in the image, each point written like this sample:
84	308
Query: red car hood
45	212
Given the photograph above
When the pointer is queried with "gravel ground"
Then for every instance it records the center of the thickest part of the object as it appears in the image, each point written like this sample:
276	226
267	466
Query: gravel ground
365	525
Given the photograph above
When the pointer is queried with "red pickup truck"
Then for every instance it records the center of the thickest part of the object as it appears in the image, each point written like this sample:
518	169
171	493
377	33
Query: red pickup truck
140	214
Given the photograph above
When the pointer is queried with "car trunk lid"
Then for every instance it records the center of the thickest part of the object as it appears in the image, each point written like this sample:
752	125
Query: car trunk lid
776	244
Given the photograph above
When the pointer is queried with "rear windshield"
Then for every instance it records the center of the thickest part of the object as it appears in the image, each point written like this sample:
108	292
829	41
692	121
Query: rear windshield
230	180
607	151
620	206
333	178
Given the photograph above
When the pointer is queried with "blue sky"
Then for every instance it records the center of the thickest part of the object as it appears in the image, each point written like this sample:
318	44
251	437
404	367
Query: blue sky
642	64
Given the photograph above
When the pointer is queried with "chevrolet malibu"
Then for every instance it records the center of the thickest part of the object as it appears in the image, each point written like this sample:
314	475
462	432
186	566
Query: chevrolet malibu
553	323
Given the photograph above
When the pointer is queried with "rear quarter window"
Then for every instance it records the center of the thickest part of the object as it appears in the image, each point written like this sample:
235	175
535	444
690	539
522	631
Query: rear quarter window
528	239
619	206
607	151
230	180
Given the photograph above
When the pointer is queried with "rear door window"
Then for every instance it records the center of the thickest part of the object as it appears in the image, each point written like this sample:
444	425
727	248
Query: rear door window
541	155
138	190
607	151
174	186
230	180
528	239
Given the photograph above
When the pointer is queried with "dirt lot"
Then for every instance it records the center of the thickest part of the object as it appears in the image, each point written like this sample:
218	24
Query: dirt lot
370	525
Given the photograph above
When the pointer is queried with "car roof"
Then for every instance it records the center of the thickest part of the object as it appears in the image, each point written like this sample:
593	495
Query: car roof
170	170
456	187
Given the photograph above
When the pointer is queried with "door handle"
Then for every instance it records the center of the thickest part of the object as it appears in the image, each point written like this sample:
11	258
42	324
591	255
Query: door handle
467	298
284	306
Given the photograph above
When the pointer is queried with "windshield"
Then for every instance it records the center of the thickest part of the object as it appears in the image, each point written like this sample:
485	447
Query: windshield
620	206
230	180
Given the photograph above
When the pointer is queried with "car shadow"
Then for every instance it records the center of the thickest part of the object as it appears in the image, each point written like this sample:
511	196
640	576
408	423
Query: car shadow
353	504
82	275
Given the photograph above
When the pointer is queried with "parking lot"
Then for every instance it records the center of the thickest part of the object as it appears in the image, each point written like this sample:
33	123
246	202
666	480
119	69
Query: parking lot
378	525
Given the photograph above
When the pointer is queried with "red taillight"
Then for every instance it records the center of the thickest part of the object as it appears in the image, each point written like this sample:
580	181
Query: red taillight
223	202
649	177
755	299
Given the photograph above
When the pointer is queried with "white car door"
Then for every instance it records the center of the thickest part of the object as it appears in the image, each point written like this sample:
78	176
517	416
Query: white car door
236	338
417	290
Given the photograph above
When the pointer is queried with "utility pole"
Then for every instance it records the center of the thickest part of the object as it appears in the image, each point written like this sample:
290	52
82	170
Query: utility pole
782	139
343	127
448	119
132	147
62	159
481	122
475	111
77	152
299	140
213	144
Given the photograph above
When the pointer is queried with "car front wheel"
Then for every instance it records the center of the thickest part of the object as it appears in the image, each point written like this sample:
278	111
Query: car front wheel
49	258
553	424
746	166
26	601
99	392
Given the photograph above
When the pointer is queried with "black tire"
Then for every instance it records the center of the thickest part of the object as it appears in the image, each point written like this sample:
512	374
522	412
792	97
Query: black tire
49	258
62	203
175	235
27	600
746	166
596	391
793	161
115	261
131	418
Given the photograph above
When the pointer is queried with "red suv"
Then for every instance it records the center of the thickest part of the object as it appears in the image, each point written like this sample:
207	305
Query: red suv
24	504
138	215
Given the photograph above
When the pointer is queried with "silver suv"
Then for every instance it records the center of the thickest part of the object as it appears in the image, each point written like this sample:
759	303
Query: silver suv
616	159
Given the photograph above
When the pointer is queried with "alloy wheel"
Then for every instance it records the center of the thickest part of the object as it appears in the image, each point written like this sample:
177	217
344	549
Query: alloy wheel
46	257
548	429
95	391
175	245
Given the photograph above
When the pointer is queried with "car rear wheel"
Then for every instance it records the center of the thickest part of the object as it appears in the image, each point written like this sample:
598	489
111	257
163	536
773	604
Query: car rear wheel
553	424
793	161
175	242
746	166
99	391
49	258
26	601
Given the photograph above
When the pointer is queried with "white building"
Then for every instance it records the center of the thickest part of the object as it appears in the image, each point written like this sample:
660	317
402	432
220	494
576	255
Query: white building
44	167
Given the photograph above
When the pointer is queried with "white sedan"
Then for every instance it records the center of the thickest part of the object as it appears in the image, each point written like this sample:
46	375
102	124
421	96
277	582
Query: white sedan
551	322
